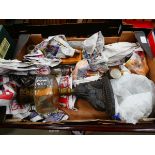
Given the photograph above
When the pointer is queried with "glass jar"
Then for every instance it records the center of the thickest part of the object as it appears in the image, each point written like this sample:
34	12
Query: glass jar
46	93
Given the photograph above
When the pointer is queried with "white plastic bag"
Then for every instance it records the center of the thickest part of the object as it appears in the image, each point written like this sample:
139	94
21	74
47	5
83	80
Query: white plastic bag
134	97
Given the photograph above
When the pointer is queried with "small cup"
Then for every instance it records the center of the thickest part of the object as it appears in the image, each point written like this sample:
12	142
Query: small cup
115	73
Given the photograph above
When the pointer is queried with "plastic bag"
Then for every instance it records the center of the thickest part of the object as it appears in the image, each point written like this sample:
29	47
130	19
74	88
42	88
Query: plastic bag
134	97
137	63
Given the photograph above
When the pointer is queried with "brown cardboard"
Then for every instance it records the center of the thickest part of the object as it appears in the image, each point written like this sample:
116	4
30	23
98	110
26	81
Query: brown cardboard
85	112
127	36
33	39
151	64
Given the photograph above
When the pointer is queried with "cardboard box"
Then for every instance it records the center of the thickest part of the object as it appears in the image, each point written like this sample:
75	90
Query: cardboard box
87	118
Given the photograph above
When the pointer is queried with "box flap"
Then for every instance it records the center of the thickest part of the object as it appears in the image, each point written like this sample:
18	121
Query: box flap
25	39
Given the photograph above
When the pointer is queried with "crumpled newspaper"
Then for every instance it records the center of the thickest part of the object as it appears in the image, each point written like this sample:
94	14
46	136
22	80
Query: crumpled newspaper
80	70
56	116
16	65
50	51
92	50
7	93
55	47
18	110
93	46
38	58
117	51
44	61
81	73
101	56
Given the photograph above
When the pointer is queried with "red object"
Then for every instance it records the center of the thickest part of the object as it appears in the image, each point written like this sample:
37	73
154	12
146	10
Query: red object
151	40
138	23
6	95
64	100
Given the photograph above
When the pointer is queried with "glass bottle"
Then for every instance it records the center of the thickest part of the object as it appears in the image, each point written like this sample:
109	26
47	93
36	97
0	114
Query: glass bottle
46	93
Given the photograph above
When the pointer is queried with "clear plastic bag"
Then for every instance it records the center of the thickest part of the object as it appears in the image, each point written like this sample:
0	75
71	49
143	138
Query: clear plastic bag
134	97
137	63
